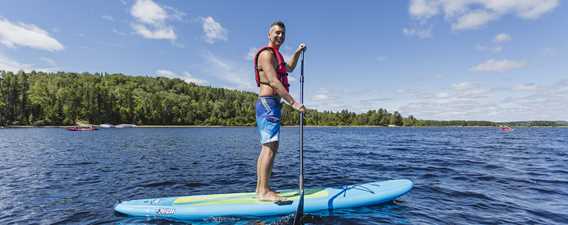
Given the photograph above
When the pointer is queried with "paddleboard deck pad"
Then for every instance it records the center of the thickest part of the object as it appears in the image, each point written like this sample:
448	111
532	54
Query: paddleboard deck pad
247	205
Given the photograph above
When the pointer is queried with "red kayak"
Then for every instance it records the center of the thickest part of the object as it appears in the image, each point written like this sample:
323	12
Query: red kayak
81	128
506	129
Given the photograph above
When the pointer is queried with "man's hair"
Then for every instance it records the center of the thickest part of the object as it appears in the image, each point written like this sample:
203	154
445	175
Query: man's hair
278	23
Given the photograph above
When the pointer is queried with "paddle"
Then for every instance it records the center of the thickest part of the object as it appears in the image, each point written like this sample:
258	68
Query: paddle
298	218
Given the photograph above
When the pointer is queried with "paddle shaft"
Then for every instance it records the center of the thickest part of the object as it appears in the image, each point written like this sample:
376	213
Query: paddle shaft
300	211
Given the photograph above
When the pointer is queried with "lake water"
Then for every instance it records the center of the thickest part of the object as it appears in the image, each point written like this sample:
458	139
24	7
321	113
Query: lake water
461	175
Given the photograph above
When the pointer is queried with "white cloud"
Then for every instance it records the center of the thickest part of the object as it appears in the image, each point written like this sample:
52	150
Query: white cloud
420	32
469	90
9	64
354	100
27	35
213	30
548	102
151	20
147	11
175	13
423	8
525	87
161	33
496	45
224	70
474	101
185	76
320	97
502	38
462	86
458	101
493	65
442	95
251	54
324	99
472	14
453	8
473	20
492	49
322	94
454	103
533	9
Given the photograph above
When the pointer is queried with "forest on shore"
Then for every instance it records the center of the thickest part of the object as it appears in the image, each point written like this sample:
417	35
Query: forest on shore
64	98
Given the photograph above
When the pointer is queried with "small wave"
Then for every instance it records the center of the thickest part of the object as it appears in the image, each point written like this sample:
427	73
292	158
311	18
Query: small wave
561	218
491	166
486	178
461	194
398	148
192	184
159	184
76	164
553	171
559	182
172	184
79	217
545	190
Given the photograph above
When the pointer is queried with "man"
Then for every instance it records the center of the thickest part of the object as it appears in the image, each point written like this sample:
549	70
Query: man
271	76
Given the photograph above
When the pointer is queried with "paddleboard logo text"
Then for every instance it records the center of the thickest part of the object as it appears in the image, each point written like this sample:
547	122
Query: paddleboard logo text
165	211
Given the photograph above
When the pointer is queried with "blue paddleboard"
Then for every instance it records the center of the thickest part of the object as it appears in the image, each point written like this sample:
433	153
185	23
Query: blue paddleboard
246	204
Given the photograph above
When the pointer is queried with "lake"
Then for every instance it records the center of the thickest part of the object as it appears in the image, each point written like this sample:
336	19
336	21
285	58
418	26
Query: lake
461	175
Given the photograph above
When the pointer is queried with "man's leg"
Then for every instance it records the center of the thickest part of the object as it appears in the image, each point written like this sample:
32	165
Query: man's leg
269	151
264	170
275	151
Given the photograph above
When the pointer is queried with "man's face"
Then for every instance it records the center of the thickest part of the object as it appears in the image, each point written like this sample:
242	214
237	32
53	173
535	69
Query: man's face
277	35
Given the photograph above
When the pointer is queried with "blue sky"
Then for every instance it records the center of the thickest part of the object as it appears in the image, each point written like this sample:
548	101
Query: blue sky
499	60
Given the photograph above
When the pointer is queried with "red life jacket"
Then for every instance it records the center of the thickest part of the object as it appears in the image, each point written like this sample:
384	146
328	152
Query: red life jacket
281	70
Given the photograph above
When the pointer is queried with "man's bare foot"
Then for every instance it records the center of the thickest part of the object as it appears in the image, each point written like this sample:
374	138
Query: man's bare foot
270	196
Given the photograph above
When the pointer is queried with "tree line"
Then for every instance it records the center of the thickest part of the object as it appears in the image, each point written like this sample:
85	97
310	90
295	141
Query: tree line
64	98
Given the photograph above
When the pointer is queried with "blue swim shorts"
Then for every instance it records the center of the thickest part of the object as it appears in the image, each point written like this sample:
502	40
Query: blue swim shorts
268	113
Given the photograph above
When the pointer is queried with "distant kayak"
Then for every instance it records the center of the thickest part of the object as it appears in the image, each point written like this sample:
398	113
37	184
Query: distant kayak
76	128
506	128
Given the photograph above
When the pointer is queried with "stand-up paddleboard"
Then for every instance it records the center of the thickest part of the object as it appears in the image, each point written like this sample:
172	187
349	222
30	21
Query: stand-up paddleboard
246	204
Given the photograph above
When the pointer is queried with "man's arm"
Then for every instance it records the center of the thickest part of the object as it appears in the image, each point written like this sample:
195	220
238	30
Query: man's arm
291	65
265	62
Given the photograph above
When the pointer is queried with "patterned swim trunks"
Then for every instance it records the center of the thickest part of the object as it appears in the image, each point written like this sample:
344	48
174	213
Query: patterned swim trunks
268	113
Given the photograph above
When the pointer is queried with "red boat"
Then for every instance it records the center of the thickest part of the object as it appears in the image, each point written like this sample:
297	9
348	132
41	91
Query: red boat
506	128
77	128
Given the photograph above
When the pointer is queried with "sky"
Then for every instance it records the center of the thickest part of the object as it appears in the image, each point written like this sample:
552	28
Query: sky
498	60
